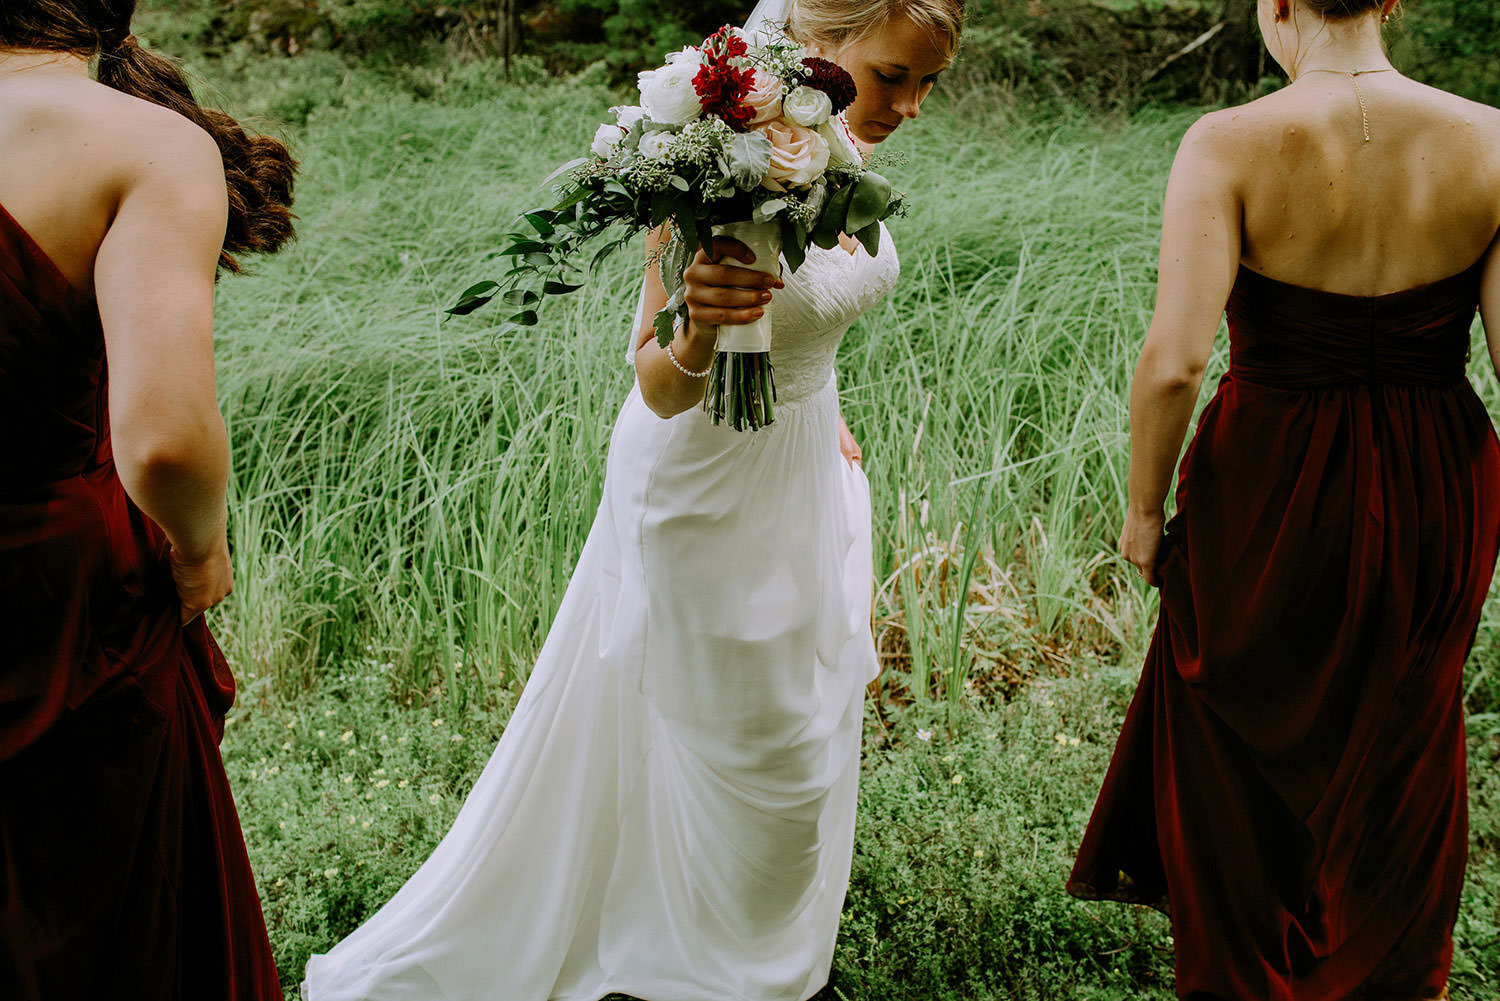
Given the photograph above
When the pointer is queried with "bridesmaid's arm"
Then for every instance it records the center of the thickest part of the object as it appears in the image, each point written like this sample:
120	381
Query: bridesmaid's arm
716	294
154	280
1200	254
1489	303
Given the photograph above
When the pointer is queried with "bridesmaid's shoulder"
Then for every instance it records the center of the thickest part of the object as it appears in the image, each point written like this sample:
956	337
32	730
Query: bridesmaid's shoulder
113	137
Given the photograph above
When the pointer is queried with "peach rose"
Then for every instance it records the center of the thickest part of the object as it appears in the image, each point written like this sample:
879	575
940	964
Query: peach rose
764	97
798	156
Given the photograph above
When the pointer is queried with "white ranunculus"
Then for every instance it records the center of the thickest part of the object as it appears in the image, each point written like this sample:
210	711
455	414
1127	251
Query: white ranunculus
807	106
656	145
607	140
627	116
690	53
668	94
841	147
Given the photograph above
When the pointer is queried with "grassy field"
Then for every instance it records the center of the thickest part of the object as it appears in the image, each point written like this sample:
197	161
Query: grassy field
409	496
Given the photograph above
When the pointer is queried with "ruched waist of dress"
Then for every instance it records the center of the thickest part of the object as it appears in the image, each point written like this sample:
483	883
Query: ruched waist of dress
1290	337
1311	367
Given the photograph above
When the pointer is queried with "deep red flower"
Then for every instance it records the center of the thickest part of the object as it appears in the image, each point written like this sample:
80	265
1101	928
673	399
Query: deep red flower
722	89
832	79
725	43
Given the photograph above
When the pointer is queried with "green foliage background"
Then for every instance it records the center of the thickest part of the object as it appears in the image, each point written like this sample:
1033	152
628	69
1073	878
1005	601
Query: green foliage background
1103	52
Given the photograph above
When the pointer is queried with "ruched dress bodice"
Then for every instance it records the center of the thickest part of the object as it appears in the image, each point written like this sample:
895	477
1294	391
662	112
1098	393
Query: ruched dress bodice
1291	777
822	299
126	874
1298	338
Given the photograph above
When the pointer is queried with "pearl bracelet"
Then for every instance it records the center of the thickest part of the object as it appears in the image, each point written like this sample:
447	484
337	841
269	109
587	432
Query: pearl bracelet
679	366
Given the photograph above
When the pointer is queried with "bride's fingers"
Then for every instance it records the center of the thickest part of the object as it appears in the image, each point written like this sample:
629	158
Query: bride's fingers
723	297
708	316
728	276
724	248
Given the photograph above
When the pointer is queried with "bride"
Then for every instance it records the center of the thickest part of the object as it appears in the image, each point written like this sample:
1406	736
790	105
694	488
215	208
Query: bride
670	812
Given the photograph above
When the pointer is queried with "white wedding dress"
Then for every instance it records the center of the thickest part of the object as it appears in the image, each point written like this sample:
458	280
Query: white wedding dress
670	811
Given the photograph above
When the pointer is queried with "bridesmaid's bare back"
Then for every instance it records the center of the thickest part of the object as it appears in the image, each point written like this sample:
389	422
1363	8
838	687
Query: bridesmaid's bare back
1323	208
71	149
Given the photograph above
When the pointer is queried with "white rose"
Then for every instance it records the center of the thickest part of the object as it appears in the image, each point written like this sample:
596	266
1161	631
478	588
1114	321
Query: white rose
656	145
627	116
807	106
607	140
841	147
668	94
691	53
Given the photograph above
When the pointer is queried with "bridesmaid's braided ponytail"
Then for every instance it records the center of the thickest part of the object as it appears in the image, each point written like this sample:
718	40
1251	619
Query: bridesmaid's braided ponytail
259	170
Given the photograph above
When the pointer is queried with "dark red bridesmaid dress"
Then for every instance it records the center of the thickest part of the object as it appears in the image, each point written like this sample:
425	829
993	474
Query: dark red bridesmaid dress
123	873
1290	777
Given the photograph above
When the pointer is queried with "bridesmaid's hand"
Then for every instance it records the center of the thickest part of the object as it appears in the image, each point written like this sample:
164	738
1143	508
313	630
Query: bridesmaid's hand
719	293
1140	541
202	584
848	445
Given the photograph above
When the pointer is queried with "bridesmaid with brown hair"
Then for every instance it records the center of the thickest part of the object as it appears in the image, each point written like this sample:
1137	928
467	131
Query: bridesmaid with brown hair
1290	781
123	872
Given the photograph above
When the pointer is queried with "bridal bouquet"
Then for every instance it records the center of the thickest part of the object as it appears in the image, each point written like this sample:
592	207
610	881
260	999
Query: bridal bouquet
730	139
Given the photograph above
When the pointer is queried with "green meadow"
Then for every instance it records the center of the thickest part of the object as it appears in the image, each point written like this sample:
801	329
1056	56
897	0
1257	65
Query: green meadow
409	496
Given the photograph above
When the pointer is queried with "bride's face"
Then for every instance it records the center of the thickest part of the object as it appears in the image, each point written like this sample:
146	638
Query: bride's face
895	68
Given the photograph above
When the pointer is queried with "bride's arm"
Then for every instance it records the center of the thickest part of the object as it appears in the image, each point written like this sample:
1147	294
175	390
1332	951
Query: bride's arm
716	294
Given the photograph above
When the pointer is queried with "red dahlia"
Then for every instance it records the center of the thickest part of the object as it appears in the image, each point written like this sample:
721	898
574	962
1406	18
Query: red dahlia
832	79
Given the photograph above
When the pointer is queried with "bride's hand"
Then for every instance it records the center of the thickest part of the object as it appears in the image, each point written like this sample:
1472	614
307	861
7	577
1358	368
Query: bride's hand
848	445
719	293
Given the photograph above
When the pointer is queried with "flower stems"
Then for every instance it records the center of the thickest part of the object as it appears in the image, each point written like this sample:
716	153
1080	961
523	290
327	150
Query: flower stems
741	389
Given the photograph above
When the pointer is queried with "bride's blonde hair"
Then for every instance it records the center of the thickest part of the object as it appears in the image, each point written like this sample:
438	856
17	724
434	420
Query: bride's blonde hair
839	23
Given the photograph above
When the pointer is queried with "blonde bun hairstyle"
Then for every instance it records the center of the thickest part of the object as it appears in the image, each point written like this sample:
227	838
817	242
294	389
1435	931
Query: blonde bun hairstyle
837	24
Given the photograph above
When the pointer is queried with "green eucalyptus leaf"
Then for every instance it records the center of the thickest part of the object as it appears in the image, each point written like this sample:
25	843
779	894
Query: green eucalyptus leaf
870	237
835	216
565	168
520	247
665	325
870	202
792	248
467	304
520	297
541	220
749	159
478	289
560	288
766	210
525	318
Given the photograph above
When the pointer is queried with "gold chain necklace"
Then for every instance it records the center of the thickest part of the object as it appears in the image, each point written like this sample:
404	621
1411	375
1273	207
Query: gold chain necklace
1354	75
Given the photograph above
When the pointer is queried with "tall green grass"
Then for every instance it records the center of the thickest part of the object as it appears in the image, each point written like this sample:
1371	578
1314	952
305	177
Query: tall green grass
420	487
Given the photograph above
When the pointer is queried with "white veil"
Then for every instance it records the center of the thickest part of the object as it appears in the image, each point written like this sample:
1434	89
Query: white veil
768	19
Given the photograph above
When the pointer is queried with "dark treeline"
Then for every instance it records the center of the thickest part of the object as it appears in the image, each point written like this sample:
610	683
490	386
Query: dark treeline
1101	53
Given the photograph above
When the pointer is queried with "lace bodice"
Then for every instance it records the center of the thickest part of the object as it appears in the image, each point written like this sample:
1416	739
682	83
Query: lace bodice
821	301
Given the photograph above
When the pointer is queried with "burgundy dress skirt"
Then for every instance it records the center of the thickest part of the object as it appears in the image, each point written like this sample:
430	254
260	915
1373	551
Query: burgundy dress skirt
1289	783
123	872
